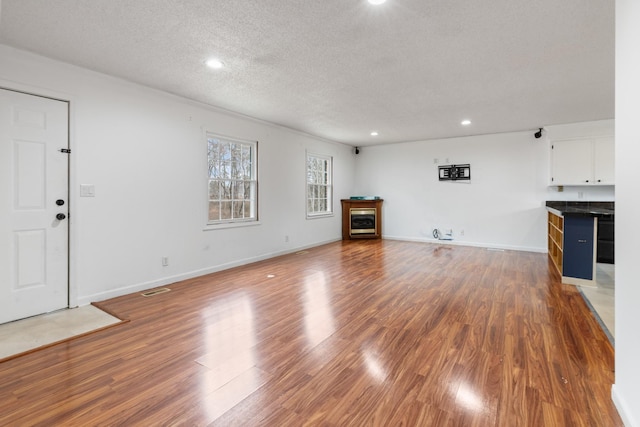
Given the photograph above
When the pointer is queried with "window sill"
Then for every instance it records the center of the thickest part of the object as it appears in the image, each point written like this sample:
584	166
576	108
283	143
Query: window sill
224	225
323	215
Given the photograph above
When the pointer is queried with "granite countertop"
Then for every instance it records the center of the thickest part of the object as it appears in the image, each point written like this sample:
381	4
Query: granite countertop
582	208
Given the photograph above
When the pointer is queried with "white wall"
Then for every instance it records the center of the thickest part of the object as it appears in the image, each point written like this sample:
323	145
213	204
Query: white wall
502	206
145	153
626	391
603	193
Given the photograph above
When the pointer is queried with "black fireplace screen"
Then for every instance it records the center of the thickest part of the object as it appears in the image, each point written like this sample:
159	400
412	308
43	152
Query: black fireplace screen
363	221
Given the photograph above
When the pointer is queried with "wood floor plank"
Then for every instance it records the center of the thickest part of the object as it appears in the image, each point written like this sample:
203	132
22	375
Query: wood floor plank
350	333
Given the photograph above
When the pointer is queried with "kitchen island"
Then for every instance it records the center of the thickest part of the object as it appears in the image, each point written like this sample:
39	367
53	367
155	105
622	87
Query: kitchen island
574	240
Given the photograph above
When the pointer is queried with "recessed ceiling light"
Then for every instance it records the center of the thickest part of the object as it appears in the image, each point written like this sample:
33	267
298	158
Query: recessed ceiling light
377	1
374	133
214	63
465	122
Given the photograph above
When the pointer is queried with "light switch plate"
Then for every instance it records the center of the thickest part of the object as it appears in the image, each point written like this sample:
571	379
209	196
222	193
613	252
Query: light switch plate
87	190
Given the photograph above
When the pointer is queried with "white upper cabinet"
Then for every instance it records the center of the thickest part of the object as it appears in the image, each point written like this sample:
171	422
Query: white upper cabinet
571	162
584	161
604	161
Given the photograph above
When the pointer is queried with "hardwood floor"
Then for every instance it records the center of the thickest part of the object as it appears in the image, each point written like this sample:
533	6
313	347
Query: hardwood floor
379	333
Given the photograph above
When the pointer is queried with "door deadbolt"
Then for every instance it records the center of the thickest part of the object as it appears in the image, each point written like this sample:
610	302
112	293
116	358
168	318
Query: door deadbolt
59	202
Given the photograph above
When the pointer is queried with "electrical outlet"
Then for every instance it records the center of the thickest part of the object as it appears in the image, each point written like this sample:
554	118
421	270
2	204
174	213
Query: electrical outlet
461	232
165	261
286	238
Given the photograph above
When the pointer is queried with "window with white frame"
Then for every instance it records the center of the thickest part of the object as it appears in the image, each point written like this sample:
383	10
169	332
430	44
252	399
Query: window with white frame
233	184
319	185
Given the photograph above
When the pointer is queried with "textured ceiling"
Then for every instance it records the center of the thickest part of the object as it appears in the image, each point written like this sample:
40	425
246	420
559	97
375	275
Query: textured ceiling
339	69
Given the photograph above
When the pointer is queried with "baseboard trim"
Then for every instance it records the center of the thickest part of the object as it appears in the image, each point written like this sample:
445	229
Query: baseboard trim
622	408
138	287
463	243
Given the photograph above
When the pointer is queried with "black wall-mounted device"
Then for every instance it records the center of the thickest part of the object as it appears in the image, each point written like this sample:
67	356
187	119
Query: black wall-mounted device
454	172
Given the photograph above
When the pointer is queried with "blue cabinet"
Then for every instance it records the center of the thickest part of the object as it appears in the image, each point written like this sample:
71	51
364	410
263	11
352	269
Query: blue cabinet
578	260
579	235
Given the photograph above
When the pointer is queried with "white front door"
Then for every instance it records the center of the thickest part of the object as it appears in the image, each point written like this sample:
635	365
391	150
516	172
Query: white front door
34	205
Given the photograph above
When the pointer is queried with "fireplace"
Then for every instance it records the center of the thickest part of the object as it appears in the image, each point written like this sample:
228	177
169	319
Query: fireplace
361	219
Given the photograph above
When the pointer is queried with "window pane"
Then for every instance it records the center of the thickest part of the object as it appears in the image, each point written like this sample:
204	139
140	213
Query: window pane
236	170
236	151
214	211
238	188
322	192
225	210
236	209
216	171
244	169
214	152
246	153
225	152
224	170
214	190
248	190
225	190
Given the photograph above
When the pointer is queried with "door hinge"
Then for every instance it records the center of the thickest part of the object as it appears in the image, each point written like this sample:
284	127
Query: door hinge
65	150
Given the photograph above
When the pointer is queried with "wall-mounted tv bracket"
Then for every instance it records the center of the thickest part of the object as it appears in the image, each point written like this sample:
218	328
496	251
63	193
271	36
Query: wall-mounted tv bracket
454	172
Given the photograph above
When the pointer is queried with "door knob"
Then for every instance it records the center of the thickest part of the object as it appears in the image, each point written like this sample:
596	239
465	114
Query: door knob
60	216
